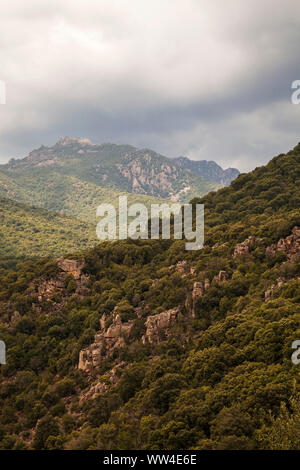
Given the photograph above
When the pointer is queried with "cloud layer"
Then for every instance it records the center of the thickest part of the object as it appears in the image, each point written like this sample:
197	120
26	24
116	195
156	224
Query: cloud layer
203	78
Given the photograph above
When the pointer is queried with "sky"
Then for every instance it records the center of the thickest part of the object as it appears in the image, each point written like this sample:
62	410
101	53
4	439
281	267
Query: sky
207	79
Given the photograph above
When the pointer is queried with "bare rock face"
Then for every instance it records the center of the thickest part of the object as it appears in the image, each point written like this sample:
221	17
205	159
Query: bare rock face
198	291
47	288
243	248
221	277
240	249
289	245
71	266
101	386
184	268
159	324
104	343
102	321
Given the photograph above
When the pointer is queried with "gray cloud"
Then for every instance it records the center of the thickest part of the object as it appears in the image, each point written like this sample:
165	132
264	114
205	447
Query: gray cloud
194	78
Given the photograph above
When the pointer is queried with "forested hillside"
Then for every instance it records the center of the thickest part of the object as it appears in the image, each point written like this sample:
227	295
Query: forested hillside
64	194
143	345
33	232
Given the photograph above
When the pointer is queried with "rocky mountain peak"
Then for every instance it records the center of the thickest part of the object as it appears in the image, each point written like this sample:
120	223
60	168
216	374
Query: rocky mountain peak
74	140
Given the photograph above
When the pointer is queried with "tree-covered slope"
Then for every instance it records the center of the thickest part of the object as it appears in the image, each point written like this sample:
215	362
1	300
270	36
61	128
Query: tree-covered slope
143	345
33	232
54	191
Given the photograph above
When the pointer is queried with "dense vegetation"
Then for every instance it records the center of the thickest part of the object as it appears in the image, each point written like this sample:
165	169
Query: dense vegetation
63	194
222	379
28	231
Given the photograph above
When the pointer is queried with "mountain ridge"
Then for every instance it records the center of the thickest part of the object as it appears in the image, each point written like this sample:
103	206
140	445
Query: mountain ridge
197	166
209	170
121	168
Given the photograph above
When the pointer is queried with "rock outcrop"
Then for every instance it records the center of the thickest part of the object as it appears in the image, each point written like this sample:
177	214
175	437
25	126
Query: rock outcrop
102	385
71	266
157	326
198	291
184	268
243	248
289	245
46	289
104	343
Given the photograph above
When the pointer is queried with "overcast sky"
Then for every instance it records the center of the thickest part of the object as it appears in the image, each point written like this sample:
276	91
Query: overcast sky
208	79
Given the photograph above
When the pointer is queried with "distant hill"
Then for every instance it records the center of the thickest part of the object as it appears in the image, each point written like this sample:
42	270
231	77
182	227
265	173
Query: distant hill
74	176
209	170
69	181
33	232
61	193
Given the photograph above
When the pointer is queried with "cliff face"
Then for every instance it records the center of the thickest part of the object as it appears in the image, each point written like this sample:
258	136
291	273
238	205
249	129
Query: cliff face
104	343
113	337
157	326
148	173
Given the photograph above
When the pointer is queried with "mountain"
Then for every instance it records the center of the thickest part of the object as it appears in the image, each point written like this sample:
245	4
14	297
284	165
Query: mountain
71	179
143	345
208	170
74	176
